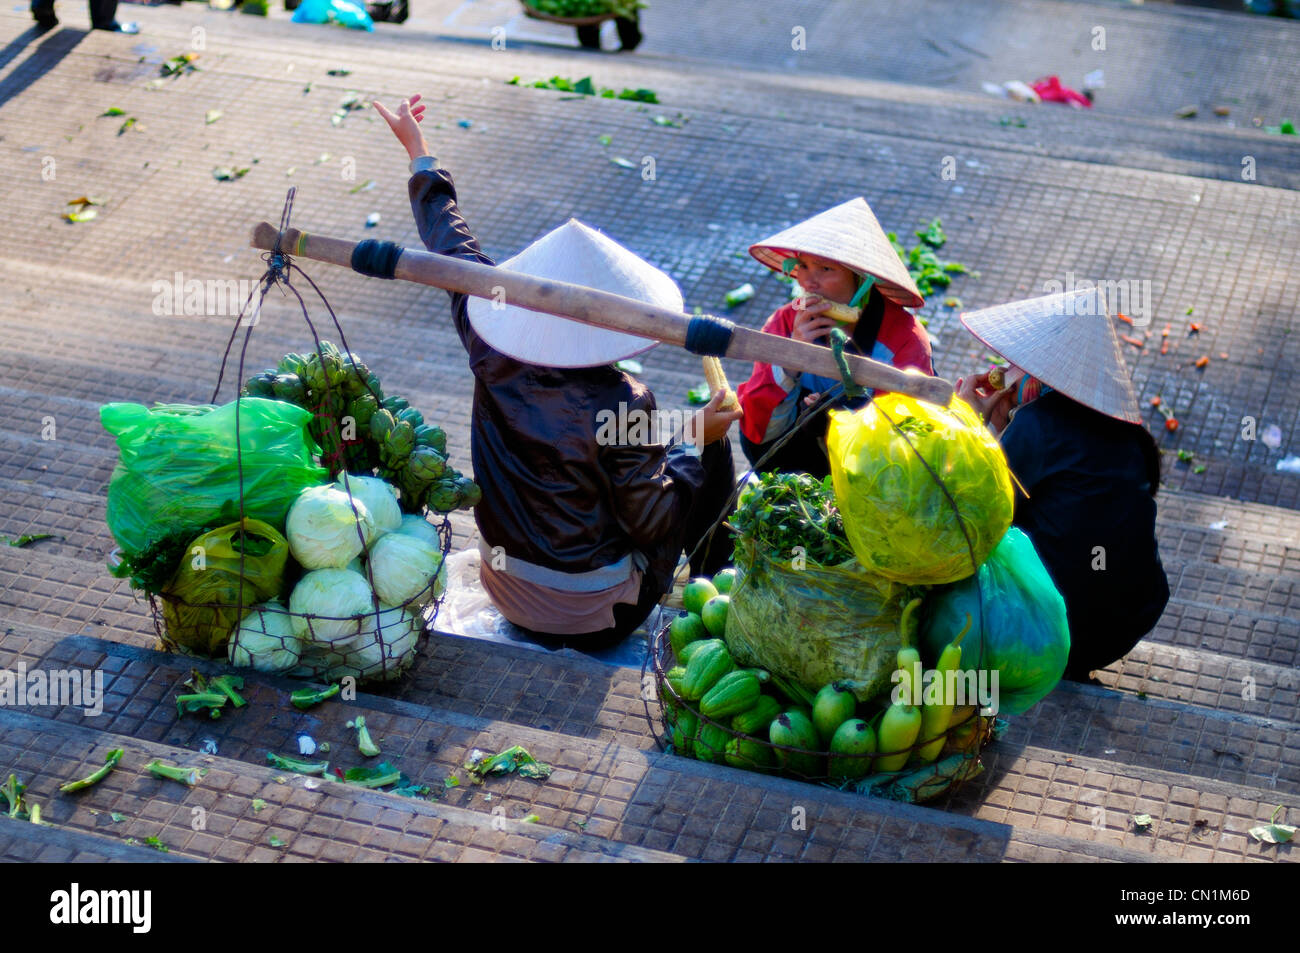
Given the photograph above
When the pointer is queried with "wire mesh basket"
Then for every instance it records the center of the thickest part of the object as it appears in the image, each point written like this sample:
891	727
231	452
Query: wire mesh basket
251	593
681	727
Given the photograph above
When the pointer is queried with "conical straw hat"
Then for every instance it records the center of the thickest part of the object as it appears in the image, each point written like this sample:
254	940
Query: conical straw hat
582	256
1068	342
851	235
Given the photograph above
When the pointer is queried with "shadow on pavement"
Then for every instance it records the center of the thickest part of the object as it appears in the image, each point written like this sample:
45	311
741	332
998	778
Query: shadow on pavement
46	56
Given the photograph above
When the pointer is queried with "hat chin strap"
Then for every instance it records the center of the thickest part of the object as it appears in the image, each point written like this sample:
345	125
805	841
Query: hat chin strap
860	295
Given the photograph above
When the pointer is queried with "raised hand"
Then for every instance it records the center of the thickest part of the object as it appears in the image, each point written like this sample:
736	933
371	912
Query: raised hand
405	124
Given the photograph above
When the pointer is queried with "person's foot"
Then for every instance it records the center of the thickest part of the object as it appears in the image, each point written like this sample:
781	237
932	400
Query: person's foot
116	27
47	23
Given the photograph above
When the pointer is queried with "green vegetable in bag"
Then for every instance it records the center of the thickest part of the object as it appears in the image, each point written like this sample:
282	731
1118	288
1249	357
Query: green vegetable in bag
178	470
801	605
814	624
1023	634
209	595
899	521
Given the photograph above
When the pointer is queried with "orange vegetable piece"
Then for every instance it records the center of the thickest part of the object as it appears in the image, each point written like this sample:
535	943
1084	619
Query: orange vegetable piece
1171	423
1155	401
1202	361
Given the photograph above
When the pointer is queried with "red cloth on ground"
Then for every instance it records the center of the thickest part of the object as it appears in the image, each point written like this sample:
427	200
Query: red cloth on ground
1050	90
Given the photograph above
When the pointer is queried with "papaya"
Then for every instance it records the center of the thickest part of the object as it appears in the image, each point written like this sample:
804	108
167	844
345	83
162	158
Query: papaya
690	648
792	729
833	706
684	732
755	719
730	695
707	665
853	737
711	743
749	754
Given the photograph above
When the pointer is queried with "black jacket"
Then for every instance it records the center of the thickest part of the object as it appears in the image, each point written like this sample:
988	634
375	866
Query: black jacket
1090	505
553	495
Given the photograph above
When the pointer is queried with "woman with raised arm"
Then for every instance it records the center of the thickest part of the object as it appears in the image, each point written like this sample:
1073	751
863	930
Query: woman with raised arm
581	524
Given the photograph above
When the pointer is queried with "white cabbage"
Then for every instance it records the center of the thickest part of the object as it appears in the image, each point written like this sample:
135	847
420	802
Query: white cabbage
402	567
322	530
421	529
265	640
340	595
383	650
380	499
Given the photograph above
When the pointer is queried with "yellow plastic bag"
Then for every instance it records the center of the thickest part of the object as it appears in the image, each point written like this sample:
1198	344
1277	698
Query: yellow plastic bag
202	603
899	521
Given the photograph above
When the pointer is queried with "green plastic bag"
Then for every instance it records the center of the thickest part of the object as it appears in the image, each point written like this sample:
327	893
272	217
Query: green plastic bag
202	603
177	472
899	521
1024	635
814	624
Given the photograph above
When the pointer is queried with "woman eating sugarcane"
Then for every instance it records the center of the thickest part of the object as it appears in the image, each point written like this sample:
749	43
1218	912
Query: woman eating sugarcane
852	278
580	533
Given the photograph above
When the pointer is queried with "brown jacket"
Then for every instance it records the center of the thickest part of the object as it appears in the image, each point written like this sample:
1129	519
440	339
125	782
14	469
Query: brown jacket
552	495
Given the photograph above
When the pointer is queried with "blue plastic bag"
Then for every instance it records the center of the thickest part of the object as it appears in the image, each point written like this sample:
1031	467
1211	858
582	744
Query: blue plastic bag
1024	636
342	12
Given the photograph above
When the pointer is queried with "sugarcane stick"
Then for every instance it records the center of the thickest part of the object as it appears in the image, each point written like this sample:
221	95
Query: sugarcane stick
602	309
717	380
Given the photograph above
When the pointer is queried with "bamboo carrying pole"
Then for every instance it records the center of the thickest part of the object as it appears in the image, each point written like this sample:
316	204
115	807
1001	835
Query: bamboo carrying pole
605	310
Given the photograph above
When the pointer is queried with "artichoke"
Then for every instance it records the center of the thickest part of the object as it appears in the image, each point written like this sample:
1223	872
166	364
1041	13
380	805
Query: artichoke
470	493
290	387
381	425
432	437
411	416
426	465
262	385
361	409
443	496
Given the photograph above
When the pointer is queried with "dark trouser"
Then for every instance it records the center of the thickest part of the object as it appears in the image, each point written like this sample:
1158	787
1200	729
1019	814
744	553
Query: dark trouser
102	12
1098	642
802	454
715	552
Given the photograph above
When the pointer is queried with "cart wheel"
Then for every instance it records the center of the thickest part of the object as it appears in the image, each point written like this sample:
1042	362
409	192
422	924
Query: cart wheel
589	36
629	33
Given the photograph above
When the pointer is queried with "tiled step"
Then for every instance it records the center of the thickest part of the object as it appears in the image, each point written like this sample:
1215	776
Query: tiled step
297	820
22	843
584	725
633	797
1206	679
